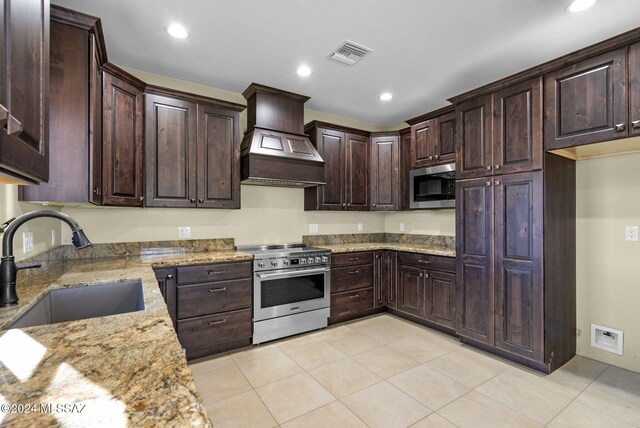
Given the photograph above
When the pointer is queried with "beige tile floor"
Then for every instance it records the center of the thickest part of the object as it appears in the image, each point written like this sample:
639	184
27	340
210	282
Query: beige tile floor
386	372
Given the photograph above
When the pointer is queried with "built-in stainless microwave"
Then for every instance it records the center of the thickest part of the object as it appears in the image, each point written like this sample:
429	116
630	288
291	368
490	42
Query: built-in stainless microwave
433	187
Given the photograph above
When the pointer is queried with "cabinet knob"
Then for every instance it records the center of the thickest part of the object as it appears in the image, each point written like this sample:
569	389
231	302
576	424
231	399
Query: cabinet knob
193	201
373	205
437	157
4	115
421	275
620	127
14	127
488	167
496	167
344	205
430	158
426	275
200	201
170	276
141	198
497	182
635	124
488	183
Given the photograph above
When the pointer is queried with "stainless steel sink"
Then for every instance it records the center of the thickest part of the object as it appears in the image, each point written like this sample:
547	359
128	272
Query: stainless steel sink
78	303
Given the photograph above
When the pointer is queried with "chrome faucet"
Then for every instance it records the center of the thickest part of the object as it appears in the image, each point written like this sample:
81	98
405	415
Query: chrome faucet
8	296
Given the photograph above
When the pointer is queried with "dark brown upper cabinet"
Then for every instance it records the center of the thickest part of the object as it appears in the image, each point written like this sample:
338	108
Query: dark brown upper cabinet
433	138
192	151
24	91
634	89
122	140
405	167
501	133
385	174
587	102
346	153
75	105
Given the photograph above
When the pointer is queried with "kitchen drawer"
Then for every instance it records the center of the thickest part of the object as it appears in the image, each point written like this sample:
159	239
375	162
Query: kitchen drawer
211	297
196	334
351	302
352	259
351	278
213	272
427	261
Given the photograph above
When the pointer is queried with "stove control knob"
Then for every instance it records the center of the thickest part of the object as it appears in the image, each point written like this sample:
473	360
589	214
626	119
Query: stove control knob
303	261
317	259
325	259
285	262
274	263
260	264
310	259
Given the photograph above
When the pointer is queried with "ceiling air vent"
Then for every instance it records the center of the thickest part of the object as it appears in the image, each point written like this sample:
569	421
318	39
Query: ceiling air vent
349	52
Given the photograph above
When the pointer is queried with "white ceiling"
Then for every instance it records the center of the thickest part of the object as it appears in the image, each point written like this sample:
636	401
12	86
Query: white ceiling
424	51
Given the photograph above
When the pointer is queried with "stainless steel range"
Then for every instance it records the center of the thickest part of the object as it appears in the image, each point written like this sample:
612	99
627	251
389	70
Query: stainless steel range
291	289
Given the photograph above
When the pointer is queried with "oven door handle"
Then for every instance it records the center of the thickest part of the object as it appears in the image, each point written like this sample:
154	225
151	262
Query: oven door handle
292	273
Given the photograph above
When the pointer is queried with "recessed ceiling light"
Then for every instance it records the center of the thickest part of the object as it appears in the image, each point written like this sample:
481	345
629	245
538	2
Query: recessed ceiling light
386	96
580	5
177	31
303	71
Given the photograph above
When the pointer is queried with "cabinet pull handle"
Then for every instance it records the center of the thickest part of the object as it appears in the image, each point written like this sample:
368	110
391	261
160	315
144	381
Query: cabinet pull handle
488	183
430	158
620	127
496	167
222	321
14	127
217	290
353	272
170	276
354	259
421	275
437	157
426	275
96	190
497	182
141	198
488	167
215	272
373	205
200	200
635	124
193	201
344	205
4	115
425	261
354	296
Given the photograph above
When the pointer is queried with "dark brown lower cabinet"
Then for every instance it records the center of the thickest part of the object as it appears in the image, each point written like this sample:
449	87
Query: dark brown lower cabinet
411	290
389	279
210	305
355	289
440	303
516	284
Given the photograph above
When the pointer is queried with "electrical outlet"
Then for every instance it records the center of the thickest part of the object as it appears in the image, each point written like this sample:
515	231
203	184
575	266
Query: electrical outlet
360	227
53	237
313	228
631	233
184	232
27	242
401	227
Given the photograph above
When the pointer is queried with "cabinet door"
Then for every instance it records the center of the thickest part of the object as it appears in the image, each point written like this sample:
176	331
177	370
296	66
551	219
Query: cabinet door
519	293
24	89
473	141
411	290
405	167
218	158
440	303
170	152
423	136
587	102
331	146
385	178
445	147
122	139
517	128
474	255
390	279
634	89
95	123
357	172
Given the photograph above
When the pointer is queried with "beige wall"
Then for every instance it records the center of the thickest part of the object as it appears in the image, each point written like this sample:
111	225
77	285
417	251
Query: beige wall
608	288
430	222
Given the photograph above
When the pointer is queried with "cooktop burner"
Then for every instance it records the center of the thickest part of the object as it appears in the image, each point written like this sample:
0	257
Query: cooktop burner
286	256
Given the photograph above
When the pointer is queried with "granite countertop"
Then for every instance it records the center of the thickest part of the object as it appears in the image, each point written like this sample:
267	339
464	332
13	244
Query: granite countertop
125	368
434	249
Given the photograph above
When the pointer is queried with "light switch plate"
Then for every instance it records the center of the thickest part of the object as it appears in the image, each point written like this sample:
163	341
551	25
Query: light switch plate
27	242
313	228
401	227
53	237
631	233
184	232
360	227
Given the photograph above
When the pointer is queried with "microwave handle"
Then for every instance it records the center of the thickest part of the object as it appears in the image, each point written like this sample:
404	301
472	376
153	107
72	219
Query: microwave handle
292	273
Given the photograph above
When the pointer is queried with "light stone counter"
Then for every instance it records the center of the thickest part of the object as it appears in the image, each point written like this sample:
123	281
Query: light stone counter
124	370
397	246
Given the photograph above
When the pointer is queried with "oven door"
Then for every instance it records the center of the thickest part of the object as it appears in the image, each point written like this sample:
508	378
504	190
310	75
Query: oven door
290	291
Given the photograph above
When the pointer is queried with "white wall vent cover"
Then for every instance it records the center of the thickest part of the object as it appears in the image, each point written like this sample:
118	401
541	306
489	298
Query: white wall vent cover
349	52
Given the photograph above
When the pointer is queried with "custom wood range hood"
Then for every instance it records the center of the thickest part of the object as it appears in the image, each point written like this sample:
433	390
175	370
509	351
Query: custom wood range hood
275	150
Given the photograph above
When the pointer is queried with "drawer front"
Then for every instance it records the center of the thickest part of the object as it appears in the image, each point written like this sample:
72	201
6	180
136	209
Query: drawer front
351	302
352	259
211	297
203	332
213	272
428	261
351	278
